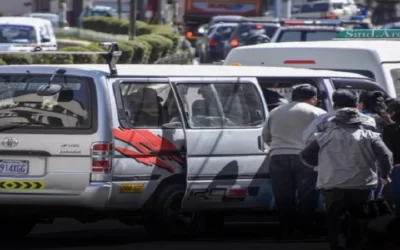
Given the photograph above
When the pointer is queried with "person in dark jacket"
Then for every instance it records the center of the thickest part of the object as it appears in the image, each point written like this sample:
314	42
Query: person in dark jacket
346	156
372	103
391	137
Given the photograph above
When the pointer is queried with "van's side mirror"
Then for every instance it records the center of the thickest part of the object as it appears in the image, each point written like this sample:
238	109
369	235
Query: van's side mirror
45	39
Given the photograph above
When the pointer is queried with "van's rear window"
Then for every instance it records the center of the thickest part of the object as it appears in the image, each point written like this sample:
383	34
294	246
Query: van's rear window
69	109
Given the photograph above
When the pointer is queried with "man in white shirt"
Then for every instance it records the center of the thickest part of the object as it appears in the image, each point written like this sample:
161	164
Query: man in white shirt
283	133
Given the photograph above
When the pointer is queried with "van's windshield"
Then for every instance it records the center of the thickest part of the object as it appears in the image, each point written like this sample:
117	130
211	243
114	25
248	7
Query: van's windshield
11	33
69	109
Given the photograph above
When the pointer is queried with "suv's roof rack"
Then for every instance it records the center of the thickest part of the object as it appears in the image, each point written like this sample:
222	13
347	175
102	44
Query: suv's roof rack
109	56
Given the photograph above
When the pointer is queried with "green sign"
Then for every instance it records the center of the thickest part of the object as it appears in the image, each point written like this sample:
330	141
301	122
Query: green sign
369	34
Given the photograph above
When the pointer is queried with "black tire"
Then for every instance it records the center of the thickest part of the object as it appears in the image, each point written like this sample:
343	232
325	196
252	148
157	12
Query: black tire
166	222
15	228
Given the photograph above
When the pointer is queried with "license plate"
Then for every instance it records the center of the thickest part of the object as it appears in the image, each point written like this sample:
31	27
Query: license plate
14	167
132	188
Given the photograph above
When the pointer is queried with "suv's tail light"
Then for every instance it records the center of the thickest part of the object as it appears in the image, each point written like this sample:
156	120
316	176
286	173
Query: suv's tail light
212	42
102	153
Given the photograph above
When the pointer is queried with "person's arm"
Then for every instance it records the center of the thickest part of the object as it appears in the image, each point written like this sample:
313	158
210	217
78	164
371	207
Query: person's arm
383	156
308	134
309	155
266	132
388	137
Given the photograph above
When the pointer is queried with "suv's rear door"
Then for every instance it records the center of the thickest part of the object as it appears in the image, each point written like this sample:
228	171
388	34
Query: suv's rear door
225	152
45	142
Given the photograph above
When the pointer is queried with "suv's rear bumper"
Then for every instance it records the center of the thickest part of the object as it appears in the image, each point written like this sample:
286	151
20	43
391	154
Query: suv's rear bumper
95	196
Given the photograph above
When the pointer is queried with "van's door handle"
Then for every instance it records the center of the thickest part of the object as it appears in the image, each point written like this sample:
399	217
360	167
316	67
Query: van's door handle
261	143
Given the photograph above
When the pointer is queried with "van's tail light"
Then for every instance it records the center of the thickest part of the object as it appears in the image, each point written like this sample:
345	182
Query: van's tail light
102	153
212	42
234	42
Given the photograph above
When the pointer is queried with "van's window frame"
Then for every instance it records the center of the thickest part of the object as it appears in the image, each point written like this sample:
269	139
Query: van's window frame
314	81
122	115
205	82
92	111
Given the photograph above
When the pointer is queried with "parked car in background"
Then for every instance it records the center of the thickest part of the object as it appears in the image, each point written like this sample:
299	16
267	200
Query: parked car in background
305	33
26	34
210	46
53	18
246	29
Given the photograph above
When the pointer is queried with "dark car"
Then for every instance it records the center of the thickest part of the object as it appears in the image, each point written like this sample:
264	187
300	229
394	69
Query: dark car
246	29
210	46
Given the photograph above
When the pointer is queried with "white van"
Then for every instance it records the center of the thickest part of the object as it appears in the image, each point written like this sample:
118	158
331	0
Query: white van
379	60
26	34
129	141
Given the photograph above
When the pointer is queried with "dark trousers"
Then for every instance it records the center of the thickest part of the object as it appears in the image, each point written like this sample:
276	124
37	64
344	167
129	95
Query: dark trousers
288	175
345	210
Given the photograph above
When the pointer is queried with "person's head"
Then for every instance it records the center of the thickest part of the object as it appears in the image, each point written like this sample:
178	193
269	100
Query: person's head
393	106
372	102
305	93
344	98
348	117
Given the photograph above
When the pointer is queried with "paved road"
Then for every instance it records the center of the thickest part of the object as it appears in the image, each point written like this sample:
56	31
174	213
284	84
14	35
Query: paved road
70	235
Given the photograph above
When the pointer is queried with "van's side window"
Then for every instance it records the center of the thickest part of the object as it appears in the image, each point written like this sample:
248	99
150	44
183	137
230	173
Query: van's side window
149	105
221	105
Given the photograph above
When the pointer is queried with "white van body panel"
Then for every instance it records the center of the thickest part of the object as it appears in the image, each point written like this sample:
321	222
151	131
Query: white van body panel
334	55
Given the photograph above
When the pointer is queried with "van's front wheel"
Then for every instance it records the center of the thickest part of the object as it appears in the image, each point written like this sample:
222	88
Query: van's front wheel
166	221
14	228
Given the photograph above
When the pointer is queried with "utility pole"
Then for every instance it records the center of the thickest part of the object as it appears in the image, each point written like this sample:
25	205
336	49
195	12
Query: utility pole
132	19
119	6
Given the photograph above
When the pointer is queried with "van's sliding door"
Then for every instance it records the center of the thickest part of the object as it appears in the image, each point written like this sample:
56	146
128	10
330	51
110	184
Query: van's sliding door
224	119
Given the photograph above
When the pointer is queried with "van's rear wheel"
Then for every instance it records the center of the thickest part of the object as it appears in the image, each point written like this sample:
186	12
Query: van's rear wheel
14	228
166	221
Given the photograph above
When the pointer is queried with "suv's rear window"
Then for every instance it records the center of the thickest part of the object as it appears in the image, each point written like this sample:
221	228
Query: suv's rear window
69	109
245	29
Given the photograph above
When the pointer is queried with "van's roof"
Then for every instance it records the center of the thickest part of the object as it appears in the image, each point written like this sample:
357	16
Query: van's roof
157	70
22	20
387	51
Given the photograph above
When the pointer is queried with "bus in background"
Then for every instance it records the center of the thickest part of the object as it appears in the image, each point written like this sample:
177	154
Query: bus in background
328	9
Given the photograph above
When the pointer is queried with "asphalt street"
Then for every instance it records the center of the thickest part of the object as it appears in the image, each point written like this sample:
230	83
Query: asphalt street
68	234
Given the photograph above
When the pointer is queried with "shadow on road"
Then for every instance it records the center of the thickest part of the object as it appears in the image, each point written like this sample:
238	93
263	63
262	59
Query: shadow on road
116	238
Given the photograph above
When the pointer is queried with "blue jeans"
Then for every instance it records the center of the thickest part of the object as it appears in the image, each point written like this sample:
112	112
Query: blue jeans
288	177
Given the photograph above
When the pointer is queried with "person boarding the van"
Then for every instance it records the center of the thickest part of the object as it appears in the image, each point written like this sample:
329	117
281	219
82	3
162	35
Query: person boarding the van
283	134
341	98
346	156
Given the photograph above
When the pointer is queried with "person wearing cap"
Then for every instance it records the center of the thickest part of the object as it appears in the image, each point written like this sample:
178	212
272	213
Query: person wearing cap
341	98
346	156
283	134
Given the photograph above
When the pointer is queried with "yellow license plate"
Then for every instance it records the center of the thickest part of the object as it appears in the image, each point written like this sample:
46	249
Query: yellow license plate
132	188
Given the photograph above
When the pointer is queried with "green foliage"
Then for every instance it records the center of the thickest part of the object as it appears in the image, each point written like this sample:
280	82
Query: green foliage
113	25
81	58
16	58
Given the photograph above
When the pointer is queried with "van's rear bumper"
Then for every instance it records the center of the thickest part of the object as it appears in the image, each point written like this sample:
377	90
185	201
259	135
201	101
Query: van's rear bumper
95	196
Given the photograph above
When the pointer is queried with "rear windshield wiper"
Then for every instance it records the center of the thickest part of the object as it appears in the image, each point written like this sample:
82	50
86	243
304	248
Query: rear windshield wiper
14	125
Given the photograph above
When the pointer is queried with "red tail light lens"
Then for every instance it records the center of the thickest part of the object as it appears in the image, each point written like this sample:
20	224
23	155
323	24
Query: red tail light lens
101	154
212	42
